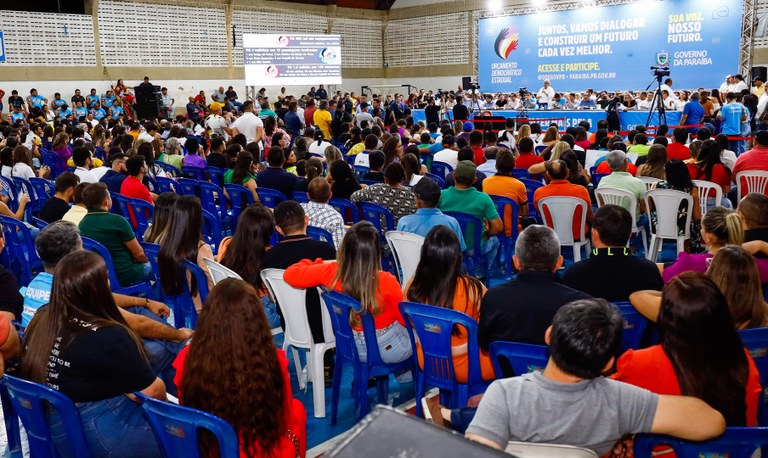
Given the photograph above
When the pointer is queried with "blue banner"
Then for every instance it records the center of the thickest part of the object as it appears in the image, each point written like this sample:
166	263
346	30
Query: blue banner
2	47
611	47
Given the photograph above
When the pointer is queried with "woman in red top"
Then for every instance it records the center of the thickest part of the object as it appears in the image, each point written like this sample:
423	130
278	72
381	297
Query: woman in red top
700	354
233	370
357	272
709	167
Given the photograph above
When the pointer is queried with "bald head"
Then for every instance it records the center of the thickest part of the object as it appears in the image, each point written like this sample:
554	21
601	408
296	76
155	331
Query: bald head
558	169
319	190
754	210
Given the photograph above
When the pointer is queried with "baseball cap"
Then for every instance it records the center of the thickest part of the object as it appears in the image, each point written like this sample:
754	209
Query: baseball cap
427	190
465	170
468	126
216	106
761	136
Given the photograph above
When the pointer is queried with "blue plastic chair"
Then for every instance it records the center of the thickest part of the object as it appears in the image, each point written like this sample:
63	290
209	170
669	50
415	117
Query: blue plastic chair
340	307
521	357
596	177
441	169
45	189
270	197
346	208
634	326
539	149
212	230
318	233
195	173
734	443
523	174
756	341
212	199
187	187
217	176
436	178
379	216
176	428
9	188
32	402
35	202
432	326
507	243
139	288
165	184
169	169
24	261
300	197
361	170
38	223
11	420
472	229
142	212
51	160
530	187
100	153
239	197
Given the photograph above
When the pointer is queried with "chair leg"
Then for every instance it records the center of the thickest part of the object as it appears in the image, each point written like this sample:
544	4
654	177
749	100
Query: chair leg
382	389
362	392
576	252
335	389
317	372
653	249
299	368
421	385
11	424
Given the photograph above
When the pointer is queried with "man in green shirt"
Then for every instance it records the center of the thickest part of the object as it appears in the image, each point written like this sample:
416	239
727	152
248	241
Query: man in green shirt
113	231
464	198
640	146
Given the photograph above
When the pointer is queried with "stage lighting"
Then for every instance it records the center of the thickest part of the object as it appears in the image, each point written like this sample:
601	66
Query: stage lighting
495	5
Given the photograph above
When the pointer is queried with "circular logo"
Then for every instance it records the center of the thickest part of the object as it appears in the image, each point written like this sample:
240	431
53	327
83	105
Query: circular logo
272	71
283	41
327	55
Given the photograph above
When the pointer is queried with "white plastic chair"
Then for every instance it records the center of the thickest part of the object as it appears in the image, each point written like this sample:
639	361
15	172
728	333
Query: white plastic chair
406	248
219	272
624	199
562	212
754	181
666	203
705	190
649	182
298	334
531	450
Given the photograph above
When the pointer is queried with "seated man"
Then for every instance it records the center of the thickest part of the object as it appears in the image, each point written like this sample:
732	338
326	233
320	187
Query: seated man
427	214
375	164
113	231
371	143
466	154
560	186
143	316
81	157
753	210
572	403
522	309
274	176
527	157
115	176
624	181
58	205
612	272
321	214
291	222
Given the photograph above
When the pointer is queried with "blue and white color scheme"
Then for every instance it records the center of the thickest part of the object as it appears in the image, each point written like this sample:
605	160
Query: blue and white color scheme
2	47
611	47
277	60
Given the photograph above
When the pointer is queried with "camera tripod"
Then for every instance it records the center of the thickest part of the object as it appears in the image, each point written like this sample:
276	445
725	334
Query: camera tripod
657	103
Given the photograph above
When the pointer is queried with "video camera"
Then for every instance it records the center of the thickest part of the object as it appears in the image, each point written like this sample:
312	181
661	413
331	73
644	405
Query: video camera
523	92
660	72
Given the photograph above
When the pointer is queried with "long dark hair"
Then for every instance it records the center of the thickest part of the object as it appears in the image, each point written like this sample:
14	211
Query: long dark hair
180	244
709	157
359	263
232	370
438	286
677	174
242	167
411	165
697	334
735	272
159	228
249	243
80	294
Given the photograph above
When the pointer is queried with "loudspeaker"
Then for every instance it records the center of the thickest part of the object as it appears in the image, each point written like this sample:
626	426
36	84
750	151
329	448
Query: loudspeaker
760	72
466	82
148	101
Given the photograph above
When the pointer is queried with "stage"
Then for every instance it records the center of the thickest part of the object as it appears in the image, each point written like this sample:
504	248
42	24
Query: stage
569	118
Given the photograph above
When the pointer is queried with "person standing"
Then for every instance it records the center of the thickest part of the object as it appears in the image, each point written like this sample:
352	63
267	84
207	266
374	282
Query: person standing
731	115
693	113
249	124
546	95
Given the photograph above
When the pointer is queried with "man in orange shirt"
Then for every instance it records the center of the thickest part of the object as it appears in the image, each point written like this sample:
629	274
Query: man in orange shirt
559	186
506	185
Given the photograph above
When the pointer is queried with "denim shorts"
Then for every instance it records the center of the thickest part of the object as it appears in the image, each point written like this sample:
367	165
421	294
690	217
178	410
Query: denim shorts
394	343
114	427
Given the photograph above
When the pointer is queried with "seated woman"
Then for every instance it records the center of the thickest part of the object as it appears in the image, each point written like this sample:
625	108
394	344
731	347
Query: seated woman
700	353
343	180
357	272
719	227
243	173
184	242
391	194
81	346
257	402
158	230
449	288
709	167
678	179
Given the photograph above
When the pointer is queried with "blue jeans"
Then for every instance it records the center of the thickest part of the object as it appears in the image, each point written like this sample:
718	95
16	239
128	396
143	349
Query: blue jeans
490	251
161	353
114	427
270	309
394	344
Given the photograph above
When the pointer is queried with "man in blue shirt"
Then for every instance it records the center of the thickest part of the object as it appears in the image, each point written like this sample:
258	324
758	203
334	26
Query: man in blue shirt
93	99
587	102
36	101
98	112
427	215
693	113
64	111
109	99
80	111
293	122
731	115
117	110
57	101
274	176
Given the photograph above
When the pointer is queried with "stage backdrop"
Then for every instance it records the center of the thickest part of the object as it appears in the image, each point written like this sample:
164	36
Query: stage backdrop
611	47
291	59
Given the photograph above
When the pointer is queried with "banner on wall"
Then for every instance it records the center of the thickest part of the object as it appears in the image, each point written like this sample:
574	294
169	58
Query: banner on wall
2	47
611	47
291	59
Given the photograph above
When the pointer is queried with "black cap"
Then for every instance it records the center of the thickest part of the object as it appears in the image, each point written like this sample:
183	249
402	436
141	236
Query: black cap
427	190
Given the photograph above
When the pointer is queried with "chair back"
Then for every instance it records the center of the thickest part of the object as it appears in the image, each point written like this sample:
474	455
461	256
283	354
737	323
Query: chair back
318	233
634	326
165	184
212	199
44	189
176	428
187	187
32	402
431	327
361	170
21	249
597	177
239	197
340	307
51	160
523	174
270	197
436	178
667	206
508	210
92	245
751	181
219	272
441	169
300	197
346	208
620	197
291	302
140	214
406	248
708	190
168	168
212	233
533	450
530	187
379	216
217	176
13	193
521	357
649	182
562	213
35	202
472	229
195	173
734	443
540	149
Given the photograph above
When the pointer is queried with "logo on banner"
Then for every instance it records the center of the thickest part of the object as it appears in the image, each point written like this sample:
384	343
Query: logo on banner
272	71
327	56
283	41
662	59
506	42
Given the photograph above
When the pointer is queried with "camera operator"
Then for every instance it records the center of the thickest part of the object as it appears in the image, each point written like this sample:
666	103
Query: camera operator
546	95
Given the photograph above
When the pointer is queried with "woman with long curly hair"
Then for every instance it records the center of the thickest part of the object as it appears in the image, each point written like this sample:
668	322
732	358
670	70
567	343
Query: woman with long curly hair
233	370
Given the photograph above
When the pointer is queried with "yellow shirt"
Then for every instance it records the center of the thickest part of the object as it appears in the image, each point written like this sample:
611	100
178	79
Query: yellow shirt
759	91
322	119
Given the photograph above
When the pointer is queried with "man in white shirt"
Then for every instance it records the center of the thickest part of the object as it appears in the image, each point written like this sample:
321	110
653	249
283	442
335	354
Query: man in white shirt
725	87
249	124
739	84
644	103
667	86
82	158
364	115
167	103
449	155
546	94
149	134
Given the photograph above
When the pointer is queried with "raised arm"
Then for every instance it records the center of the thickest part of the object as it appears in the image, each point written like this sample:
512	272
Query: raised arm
647	303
